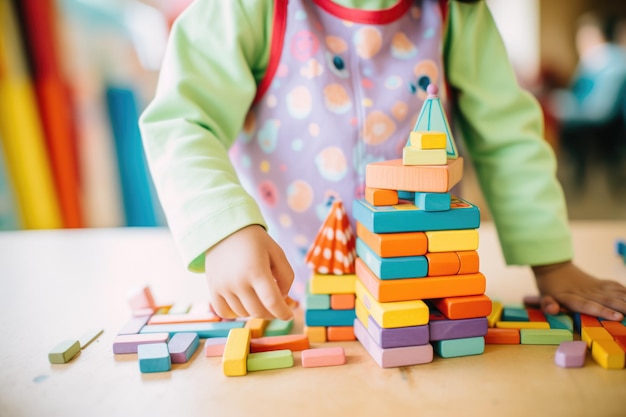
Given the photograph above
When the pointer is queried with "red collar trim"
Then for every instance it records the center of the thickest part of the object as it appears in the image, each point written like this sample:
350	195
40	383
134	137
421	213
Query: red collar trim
371	17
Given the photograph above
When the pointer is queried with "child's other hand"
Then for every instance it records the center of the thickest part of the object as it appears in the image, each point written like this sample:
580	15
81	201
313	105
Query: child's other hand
249	276
565	285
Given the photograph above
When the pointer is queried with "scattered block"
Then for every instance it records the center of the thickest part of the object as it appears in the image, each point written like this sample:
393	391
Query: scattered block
535	314
293	342
394	175
388	245
588	321
204	330
263	361
182	346
380	197
179	308
571	354
455	348
89	336
134	325
497	336
593	334
64	351
207	317
615	328
522	325
234	359
433	201
214	346
496	313
608	354
511	313
452	240
278	327
329	356
257	326
154	357
127	343
316	334
560	321
545	336
423	157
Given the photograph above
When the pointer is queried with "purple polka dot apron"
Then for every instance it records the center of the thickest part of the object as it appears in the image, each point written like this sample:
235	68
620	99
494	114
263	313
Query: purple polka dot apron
343	89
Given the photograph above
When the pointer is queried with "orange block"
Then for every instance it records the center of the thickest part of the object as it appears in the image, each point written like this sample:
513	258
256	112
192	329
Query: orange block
342	301
443	263
340	333
394	175
293	342
419	288
497	336
316	334
614	327
257	326
390	245
621	342
534	314
469	262
380	197
464	307
589	321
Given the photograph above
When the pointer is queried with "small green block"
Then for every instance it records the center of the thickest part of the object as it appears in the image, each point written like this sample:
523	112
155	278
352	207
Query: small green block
154	357
545	336
275	359
317	301
453	348
64	351
278	327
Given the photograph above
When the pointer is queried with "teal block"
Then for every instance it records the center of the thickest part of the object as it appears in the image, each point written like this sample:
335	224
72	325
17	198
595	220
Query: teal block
392	268
278	327
510	313
406	195
545	336
64	351
560	321
329	317
204	330
154	357
410	218
316	301
454	348
433	201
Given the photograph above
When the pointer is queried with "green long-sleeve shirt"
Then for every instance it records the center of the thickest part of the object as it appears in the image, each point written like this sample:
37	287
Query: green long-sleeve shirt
217	54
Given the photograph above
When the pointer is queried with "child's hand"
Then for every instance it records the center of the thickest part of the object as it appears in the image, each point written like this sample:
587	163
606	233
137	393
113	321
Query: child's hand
565	285
249	276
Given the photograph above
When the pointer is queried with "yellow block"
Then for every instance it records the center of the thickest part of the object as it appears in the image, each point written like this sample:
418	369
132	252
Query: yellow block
608	354
332	284
428	140
361	312
496	313
522	325
452	240
257	326
316	334
235	357
395	313
415	156
592	334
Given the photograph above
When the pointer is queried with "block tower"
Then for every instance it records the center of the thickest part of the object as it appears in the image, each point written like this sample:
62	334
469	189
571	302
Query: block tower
418	289
330	293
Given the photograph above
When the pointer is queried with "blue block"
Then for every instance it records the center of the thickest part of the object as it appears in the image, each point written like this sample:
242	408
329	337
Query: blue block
620	247
392	268
514	314
433	201
406	195
204	330
409	218
329	317
154	357
560	321
459	347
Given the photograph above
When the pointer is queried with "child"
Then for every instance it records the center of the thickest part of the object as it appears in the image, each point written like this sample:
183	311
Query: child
332	85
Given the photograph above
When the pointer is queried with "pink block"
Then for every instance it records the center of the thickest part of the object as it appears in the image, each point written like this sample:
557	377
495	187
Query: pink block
141	298
127	343
214	346
330	356
392	357
571	354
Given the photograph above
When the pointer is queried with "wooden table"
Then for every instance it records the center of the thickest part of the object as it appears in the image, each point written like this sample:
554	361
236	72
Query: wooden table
55	285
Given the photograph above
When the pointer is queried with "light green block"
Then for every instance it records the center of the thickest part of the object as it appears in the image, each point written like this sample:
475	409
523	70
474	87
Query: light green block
275	359
454	348
545	336
278	327
64	351
317	302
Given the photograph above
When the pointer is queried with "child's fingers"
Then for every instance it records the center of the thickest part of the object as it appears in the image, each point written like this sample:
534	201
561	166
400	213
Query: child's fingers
253	305
221	308
235	304
591	307
549	305
272	299
282	271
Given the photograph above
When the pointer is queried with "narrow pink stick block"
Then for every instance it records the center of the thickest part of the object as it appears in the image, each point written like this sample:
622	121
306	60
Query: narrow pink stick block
141	298
127	343
214	346
571	354
184	318
330	356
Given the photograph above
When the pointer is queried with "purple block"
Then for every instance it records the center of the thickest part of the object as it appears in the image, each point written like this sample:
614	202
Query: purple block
134	325
447	329
182	345
397	337
571	354
127	343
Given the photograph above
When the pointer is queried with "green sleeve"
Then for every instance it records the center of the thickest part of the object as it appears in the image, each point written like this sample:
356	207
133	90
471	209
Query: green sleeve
502	128
216	54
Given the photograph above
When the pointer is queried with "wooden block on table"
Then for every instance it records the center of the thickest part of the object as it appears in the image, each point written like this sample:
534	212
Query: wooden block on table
522	325
446	329
608	354
154	357
179	308
512	313
340	333
419	288
64	351
496	336
452	240
234	359
214	346
392	268
257	326
393	314
433	201
535	314
621	342
204	330
496	313
316	334
591	334
389	245
182	346
406	217
143	312
588	321
381	197
394	175
560	321
264	361
278	327
455	348
141	298
428	139
89	336
293	342
465	307
615	328
328	317
184	318
332	284
571	354
342	301
330	356
127	343
424	157
545	336
393	357
397	337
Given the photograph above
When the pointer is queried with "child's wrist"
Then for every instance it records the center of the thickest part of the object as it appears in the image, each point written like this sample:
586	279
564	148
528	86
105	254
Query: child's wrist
548	268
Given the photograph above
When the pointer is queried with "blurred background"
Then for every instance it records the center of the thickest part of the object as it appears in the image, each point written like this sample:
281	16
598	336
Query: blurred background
76	74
